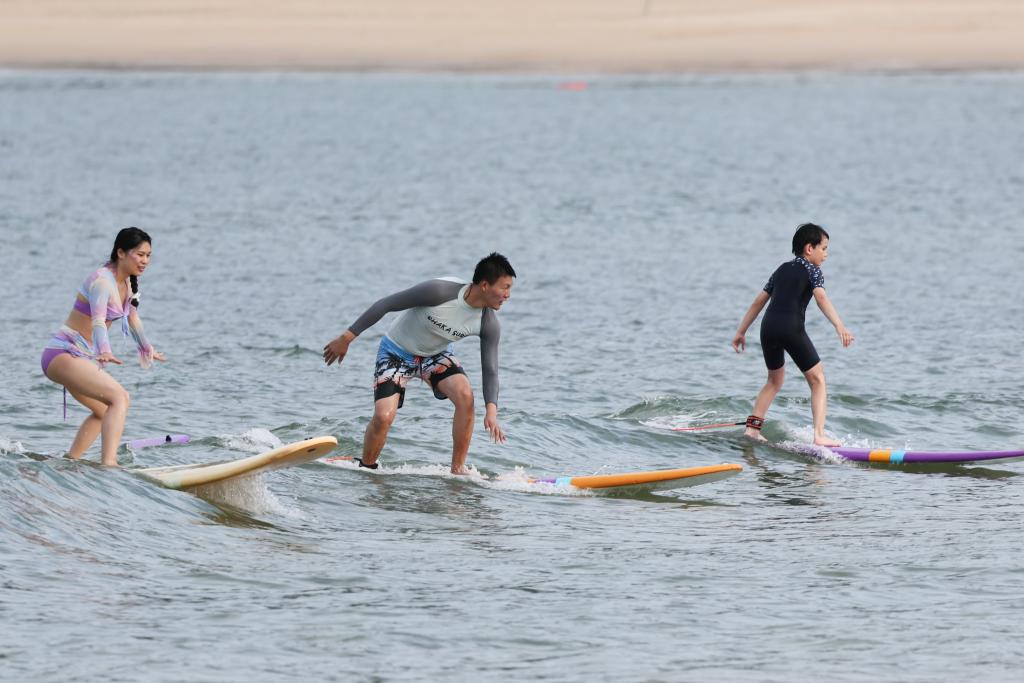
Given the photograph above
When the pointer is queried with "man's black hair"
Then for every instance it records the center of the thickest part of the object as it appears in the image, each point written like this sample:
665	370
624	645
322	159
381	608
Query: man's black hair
491	268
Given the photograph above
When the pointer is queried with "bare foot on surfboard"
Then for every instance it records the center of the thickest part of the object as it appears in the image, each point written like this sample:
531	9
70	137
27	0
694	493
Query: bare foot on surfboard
825	441
754	434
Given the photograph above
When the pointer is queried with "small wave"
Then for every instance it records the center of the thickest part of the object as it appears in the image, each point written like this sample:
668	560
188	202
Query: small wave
692	421
655	406
685	411
255	440
287	351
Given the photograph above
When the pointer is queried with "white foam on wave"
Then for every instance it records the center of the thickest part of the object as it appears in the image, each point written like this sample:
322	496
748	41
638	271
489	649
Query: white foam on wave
7	446
516	480
801	440
255	440
431	470
805	448
247	493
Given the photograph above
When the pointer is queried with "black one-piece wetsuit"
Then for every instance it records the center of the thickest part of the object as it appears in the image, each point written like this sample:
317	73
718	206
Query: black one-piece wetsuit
782	328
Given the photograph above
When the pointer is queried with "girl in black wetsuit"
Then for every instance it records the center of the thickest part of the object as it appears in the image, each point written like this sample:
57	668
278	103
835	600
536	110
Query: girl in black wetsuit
790	289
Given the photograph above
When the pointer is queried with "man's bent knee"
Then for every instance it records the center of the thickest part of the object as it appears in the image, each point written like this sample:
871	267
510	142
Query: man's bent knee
383	419
462	398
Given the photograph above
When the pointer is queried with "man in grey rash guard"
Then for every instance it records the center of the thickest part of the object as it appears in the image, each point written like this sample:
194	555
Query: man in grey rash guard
436	314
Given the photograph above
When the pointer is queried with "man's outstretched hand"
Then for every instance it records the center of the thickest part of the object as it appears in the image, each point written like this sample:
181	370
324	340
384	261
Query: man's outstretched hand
335	350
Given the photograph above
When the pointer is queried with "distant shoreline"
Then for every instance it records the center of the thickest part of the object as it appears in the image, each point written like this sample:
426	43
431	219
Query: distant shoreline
497	70
525	37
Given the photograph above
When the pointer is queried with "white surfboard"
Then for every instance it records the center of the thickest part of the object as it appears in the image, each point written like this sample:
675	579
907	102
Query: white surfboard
190	476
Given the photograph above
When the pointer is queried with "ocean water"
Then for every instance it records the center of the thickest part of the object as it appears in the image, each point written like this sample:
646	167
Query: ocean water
642	215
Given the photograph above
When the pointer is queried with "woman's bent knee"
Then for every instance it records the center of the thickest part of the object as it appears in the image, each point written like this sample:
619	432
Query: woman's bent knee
120	399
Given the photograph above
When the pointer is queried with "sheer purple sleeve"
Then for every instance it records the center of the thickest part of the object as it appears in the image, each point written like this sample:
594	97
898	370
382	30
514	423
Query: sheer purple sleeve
139	336
100	292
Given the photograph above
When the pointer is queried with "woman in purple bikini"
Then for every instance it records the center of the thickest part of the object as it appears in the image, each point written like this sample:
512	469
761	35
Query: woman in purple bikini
76	355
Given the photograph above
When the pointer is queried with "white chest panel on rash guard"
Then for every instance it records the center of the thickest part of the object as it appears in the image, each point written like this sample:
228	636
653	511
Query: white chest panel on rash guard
428	330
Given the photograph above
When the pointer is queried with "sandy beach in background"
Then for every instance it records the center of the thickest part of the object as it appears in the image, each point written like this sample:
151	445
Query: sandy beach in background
512	35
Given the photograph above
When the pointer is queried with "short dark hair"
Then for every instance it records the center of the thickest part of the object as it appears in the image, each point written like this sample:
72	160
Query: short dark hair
808	233
492	267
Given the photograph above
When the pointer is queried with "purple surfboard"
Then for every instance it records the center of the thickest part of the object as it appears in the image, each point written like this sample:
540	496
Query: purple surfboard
157	441
897	457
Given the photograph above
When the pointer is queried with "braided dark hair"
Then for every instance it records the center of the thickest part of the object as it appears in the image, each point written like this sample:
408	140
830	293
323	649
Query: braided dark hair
126	240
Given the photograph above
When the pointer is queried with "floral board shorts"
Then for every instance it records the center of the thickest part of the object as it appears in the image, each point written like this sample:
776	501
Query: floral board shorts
396	366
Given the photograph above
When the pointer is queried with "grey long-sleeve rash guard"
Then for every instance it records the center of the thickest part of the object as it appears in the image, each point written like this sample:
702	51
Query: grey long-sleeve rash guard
436	314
